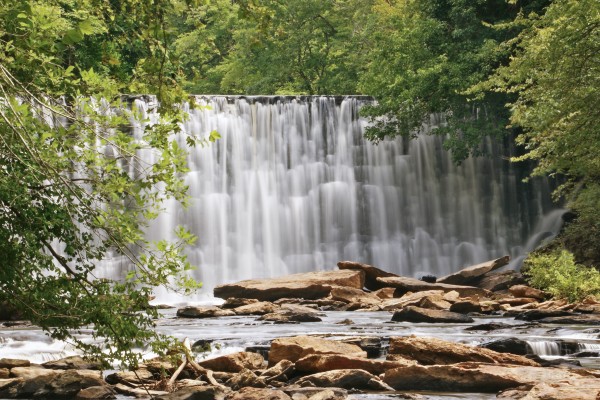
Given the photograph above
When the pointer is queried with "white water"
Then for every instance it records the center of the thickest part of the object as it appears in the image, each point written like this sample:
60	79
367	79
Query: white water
544	347
292	186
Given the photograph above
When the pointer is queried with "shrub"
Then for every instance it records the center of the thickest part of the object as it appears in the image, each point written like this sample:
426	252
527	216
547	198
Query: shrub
558	274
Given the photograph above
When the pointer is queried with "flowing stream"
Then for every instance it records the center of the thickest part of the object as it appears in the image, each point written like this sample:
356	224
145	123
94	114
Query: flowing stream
292	186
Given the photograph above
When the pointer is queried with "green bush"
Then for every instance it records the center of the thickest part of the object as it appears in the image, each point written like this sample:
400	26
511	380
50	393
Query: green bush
558	274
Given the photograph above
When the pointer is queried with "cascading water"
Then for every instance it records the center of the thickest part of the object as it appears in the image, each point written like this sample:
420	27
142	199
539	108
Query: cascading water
292	186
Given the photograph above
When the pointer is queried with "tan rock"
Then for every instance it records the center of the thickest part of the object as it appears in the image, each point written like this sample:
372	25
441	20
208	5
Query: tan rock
315	393
235	362
103	392
310	285
345	378
576	389
409	299
260	308
196	393
371	273
73	362
281	371
245	378
4	373
527	291
294	348
466	306
451	296
430	351
517	301
385	293
31	372
327	362
418	314
249	393
12	363
414	285
137	392
496	281
139	376
352	295
434	303
472	377
470	275
233	302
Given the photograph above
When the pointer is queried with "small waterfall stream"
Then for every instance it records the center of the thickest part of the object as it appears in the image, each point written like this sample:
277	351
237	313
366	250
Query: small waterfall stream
292	186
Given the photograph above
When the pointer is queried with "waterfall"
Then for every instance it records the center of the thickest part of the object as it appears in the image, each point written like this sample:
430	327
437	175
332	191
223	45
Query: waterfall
292	187
544	347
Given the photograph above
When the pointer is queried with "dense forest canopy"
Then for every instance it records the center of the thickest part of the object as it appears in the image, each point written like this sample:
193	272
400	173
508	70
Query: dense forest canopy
492	67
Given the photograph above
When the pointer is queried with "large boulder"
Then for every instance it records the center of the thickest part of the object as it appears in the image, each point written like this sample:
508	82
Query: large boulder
235	362
245	378
430	351
411	299
474	377
500	280
294	348
68	383
327	362
310	285
371	273
577	389
259	308
104	392
418	314
344	378
470	275
13	362
508	345
404	284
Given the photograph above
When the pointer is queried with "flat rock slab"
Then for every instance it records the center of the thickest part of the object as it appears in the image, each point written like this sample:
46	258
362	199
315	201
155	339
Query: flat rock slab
310	285
405	284
431	351
583	319
12	363
371	273
235	362
249	393
294	348
418	314
203	312
475	377
469	275
327	362
344	378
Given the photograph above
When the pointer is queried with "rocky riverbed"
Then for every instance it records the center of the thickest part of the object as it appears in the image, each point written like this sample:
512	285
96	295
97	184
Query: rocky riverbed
357	332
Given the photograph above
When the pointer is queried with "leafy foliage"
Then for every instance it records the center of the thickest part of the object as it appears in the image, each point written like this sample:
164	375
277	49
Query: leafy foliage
73	189
558	274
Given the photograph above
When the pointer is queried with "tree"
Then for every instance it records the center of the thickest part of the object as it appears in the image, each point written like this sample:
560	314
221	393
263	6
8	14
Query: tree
555	74
423	58
73	188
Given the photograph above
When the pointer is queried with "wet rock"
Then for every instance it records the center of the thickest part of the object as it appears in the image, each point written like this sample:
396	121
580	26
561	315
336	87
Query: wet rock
299	308
372	345
405	284
260	308
583	319
234	302
417	314
371	273
472	377
345	322
137	377
430	351
327	362
537	314
527	291
197	393
203	312
508	345
294	348
471	275
429	278
492	326
466	306
235	362
352	295
245	378
103	392
12	363
345	378
73	362
310	285
497	281
287	316
249	393
312	393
